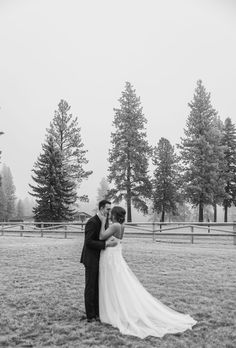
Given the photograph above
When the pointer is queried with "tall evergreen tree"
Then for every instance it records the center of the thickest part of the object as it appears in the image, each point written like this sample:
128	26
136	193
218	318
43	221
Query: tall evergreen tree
201	151
166	179
229	141
54	191
8	192
219	192
66	135
129	154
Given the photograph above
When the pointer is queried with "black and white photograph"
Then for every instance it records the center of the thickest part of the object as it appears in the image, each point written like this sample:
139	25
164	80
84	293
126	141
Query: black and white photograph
117	173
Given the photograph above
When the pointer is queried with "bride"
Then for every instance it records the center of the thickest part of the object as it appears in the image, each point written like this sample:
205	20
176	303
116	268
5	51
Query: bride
123	301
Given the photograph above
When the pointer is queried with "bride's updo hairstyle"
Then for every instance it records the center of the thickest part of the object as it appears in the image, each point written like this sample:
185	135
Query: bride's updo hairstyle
118	213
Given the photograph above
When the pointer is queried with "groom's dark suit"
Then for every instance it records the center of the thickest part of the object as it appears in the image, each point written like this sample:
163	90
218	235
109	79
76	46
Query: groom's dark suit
90	258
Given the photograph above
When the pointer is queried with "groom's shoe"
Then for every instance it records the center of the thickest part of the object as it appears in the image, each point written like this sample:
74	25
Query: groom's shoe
83	317
97	318
91	320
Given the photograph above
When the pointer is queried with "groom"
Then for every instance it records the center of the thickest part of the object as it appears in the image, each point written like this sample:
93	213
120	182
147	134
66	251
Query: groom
90	258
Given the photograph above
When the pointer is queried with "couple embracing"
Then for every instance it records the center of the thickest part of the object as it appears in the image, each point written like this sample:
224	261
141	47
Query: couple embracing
113	294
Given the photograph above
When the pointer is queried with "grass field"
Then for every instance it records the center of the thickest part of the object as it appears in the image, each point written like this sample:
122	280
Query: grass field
42	283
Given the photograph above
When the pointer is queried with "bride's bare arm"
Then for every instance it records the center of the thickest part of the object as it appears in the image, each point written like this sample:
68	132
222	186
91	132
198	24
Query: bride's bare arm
105	234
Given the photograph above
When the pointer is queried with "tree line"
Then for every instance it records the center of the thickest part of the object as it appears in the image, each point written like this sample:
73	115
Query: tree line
12	208
199	171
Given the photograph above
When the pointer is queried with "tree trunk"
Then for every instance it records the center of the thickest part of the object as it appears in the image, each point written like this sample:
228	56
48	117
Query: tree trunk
215	212
129	216
163	216
226	213
200	216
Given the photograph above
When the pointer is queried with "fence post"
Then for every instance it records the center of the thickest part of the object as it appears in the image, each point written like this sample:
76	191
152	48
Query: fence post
234	229
21	232
65	231
192	230
41	229
153	231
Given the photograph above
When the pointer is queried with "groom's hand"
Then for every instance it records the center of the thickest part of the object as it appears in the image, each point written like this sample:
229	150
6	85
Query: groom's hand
111	242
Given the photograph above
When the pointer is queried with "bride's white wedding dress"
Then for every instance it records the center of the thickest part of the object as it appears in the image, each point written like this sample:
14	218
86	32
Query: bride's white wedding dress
126	304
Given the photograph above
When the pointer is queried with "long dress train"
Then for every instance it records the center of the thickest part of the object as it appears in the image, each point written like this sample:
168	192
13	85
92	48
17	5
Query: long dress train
127	305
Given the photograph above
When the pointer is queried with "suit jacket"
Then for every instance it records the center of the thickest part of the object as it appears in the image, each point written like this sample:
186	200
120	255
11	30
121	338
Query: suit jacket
92	245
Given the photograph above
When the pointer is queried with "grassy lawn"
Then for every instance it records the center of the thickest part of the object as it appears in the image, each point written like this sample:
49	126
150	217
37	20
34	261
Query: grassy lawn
42	284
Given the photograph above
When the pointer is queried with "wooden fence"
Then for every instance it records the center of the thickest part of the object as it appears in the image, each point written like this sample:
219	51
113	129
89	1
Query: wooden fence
154	230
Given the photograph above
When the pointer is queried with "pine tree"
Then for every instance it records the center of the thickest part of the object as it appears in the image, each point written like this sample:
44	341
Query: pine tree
219	192
66	135
129	154
54	191
229	141
201	151
8	193
166	179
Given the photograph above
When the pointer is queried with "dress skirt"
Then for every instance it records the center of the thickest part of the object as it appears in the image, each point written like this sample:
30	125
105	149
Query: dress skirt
127	305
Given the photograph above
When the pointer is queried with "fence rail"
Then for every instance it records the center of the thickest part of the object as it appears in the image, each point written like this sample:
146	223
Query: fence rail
135	229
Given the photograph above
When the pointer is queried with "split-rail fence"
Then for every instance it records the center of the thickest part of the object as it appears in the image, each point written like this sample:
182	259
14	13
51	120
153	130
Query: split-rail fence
158	231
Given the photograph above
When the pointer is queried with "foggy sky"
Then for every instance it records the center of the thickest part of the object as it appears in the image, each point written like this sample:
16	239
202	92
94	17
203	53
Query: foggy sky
84	51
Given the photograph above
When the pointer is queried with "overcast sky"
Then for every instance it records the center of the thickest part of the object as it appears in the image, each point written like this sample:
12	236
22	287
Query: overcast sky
84	51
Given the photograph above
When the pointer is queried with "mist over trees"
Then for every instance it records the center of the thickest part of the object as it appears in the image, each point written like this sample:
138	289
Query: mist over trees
103	190
12	208
28	204
0	160
1	133
7	194
20	211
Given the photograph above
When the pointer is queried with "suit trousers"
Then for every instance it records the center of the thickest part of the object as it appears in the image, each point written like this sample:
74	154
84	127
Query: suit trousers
91	291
